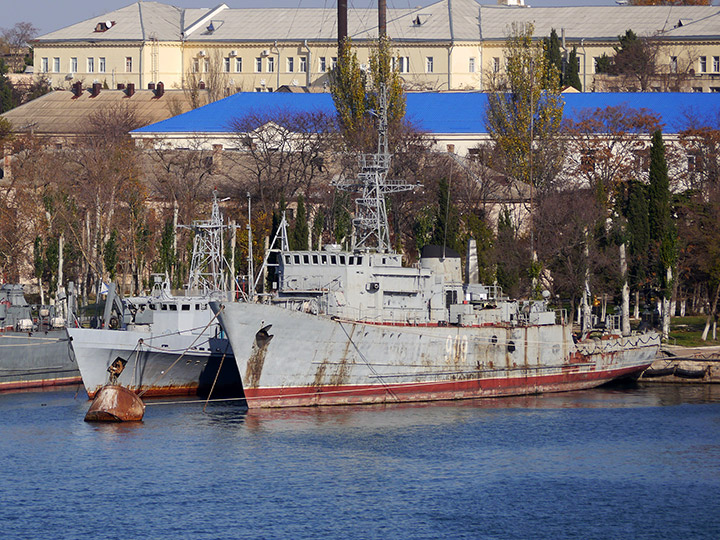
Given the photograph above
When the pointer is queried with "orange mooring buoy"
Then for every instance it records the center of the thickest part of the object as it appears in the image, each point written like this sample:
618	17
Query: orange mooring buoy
115	403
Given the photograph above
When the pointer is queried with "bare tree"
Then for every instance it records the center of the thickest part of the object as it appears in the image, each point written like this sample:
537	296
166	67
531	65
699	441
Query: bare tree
14	42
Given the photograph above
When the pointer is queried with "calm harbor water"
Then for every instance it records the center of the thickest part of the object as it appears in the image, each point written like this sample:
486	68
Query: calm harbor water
640	462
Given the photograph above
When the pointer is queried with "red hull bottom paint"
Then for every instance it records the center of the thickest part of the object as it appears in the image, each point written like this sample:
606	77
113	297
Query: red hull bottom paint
43	383
434	391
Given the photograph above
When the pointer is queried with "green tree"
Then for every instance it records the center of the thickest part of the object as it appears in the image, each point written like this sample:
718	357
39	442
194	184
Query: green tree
553	57
299	233
662	229
446	231
110	255
572	75
524	111
166	252
382	72
7	98
347	86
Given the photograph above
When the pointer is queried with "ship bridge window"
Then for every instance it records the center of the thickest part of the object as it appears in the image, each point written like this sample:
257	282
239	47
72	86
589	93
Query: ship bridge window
152	306
351	260
323	259
173	307
186	307
306	259
342	259
333	259
359	260
163	307
297	259
287	259
315	259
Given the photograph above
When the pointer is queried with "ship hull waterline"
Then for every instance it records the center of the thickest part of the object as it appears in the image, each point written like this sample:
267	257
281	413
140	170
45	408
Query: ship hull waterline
36	360
289	358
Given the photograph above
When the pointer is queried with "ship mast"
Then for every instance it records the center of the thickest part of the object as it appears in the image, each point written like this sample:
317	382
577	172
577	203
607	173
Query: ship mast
206	269
371	223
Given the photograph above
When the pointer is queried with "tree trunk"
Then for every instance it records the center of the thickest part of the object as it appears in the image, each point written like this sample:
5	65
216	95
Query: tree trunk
711	316
625	310
666	307
636	311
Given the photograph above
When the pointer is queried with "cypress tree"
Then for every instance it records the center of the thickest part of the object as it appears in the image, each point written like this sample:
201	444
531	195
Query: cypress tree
662	230
300	230
7	101
554	74
572	77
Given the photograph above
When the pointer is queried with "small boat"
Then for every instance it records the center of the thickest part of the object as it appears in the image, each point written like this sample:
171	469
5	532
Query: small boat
172	343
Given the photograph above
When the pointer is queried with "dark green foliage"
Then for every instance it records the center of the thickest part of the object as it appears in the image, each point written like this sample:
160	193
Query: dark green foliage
572	76
447	221
638	232
110	255
485	240
318	227
423	227
553	57
603	64
299	234
662	230
508	273
166	255
341	216
7	98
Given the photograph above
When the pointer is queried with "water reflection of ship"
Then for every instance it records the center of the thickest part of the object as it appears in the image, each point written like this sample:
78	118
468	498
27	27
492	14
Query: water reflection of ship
172	344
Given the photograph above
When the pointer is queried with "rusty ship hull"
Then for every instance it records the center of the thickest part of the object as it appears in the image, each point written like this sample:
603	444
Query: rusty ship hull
290	358
36	360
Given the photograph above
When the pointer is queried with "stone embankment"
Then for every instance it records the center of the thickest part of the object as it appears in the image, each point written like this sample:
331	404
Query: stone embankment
684	365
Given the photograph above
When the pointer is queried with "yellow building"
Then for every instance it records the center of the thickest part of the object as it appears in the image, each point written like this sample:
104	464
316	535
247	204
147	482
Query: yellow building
449	45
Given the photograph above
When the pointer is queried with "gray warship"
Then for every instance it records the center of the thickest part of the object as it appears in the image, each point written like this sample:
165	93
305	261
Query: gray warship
358	326
34	349
167	344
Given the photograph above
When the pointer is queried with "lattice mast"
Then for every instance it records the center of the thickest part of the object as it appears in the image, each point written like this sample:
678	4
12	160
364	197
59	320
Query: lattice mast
206	269
370	223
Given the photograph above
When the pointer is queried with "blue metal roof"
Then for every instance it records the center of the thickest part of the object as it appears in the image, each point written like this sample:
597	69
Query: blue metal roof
452	112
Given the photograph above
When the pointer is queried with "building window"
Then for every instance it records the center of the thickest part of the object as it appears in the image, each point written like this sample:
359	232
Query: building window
238	65
128	64
271	64
195	65
323	65
673	64
496	64
56	64
429	64
471	65
290	64
404	64
45	65
101	64
303	64
206	66
703	64
258	65
715	89
91	65
697	89
716	64
226	64
691	163
73	64
334	62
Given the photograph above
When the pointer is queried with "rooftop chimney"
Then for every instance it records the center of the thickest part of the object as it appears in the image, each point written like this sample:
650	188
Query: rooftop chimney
96	87
130	89
77	89
121	86
151	86
159	90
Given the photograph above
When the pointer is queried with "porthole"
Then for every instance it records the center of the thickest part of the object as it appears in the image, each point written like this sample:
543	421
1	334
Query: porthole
493	340
511	346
